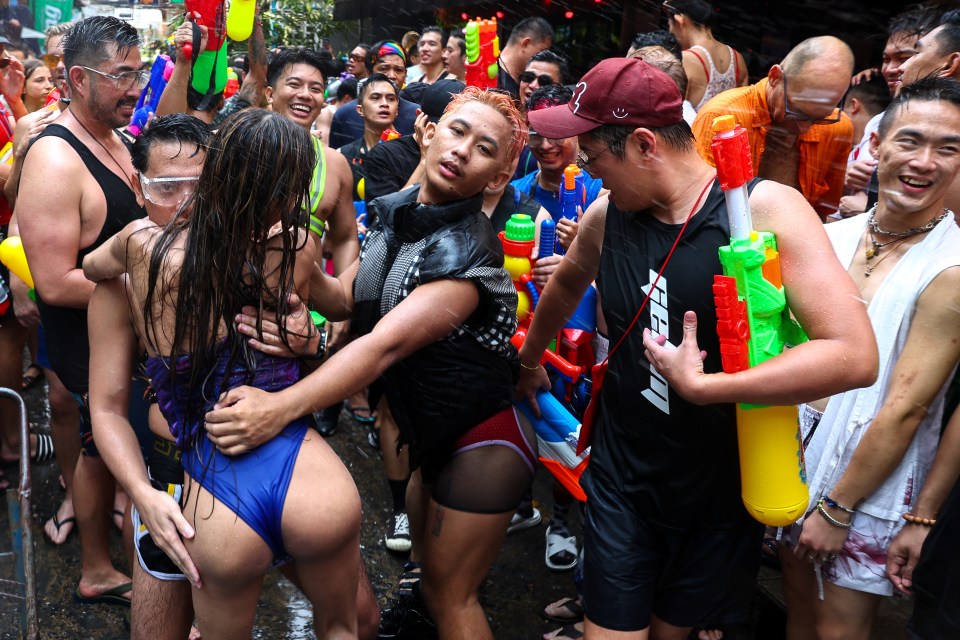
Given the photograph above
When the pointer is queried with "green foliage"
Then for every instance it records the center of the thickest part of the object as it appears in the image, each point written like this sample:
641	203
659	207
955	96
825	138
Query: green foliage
299	23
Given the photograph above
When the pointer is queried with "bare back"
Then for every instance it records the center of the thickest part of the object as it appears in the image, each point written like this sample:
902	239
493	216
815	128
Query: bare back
159	337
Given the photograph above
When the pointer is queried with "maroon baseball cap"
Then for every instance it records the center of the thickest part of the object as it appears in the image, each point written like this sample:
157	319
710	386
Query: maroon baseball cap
618	91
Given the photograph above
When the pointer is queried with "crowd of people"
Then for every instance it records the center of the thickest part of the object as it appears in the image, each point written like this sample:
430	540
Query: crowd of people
178	274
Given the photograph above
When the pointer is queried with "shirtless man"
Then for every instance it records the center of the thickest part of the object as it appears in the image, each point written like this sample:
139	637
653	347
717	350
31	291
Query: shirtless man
168	158
870	450
60	225
295	86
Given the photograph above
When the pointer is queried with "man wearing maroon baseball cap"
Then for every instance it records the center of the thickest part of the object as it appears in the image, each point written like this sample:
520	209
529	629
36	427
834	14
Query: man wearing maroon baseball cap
618	91
667	540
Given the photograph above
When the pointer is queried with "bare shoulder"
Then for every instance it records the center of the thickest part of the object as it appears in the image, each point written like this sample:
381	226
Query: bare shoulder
776	206
339	169
596	213
944	290
140	234
336	162
593	221
55	154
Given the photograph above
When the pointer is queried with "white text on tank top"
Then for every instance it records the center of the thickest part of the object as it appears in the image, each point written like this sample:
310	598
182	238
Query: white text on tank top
659	392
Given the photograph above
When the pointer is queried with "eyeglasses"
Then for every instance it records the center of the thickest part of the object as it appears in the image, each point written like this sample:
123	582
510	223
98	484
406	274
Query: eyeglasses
543	79
799	116
168	192
52	59
126	80
536	140
584	161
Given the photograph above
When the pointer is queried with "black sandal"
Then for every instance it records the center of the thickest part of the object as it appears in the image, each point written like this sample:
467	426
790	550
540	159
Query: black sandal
573	611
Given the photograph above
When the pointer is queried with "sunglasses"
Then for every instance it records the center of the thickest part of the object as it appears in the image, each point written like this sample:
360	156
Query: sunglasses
543	79
4	63
52	59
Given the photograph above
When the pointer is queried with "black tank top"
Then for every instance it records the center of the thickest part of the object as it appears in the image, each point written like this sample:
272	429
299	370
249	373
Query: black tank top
65	328
677	461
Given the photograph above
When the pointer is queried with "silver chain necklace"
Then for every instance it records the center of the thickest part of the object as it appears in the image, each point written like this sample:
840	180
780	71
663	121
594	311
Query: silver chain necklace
871	220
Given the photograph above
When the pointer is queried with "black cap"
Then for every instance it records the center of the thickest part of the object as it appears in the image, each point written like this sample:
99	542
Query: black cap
437	96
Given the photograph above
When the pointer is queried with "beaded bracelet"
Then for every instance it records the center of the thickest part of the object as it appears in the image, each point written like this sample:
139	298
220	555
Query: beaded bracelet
830	519
923	522
830	502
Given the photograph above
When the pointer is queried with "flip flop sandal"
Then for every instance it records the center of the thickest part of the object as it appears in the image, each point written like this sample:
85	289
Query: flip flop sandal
571	611
44	452
110	596
30	379
567	632
57	523
367	419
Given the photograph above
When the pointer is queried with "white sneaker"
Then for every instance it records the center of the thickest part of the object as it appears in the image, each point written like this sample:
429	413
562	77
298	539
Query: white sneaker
519	522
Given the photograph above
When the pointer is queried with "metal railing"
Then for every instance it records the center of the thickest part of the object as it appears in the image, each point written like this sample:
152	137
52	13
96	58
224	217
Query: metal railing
21	532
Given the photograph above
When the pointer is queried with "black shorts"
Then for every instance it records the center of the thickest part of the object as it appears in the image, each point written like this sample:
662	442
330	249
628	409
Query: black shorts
166	474
634	569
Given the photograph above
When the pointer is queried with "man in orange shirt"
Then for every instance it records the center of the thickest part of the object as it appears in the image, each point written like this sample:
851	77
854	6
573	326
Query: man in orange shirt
798	135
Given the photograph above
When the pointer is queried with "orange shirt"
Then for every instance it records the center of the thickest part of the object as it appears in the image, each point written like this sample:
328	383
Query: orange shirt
823	148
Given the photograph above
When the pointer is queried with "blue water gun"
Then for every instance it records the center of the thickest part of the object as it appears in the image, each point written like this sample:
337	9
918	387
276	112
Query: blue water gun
150	98
571	196
557	428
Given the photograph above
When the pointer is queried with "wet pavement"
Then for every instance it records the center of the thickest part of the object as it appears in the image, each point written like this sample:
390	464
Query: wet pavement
516	590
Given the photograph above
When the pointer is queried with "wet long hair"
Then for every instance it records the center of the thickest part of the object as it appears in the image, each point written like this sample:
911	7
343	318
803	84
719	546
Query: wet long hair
257	173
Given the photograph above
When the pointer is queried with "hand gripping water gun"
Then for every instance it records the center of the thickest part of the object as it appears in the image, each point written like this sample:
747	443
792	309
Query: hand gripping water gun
572	195
754	325
150	98
209	74
557	429
517	240
240	19
575	342
14	258
483	50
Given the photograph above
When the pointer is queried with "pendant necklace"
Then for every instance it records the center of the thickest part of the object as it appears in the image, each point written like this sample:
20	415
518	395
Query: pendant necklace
870	267
874	247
